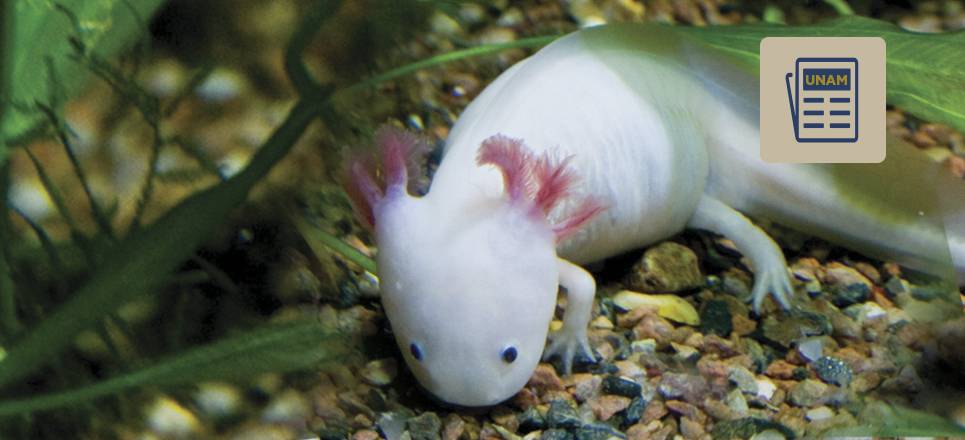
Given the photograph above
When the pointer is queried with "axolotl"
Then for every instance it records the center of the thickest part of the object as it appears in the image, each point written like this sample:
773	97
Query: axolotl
607	140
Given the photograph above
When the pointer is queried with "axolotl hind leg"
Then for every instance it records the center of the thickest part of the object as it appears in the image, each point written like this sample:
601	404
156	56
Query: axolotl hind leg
770	267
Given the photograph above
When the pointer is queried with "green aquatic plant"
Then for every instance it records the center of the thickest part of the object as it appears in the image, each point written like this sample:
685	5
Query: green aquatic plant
277	348
38	55
925	72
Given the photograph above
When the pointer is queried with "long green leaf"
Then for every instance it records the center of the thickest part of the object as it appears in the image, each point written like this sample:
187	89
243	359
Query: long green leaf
925	72
41	32
275	348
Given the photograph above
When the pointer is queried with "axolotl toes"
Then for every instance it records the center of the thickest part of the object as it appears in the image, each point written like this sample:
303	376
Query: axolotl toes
607	140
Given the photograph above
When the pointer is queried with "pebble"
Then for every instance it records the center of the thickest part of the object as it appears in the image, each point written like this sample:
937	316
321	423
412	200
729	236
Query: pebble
545	379
380	372
562	415
765	389
604	407
747	427
685	353
653	327
808	392
443	24
531	420
634	412
454	426
556	434
654	411
768	434
667	267
426	426
669	306
621	386
811	349
690	387
895	286
217	399
601	322
691	429
365	434
736	403
288	406
586	386
646	346
834	371
743	378
598	431
260	432
167	418
221	85
715	318
392	424
819	413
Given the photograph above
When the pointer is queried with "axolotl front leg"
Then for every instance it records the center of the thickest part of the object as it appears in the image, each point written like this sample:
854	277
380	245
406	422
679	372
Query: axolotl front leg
580	289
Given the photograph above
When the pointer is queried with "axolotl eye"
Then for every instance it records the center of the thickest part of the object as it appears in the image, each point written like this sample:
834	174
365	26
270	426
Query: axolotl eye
509	354
416	351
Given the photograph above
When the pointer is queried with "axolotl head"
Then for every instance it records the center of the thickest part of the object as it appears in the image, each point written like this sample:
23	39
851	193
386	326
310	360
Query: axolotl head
469	289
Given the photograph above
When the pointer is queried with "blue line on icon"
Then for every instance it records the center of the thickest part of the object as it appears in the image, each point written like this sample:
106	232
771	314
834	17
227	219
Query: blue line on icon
814	125
813	99
840	112
840	99
840	125
813	112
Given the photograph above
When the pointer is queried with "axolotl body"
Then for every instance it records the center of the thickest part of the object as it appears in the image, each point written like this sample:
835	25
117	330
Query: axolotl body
607	140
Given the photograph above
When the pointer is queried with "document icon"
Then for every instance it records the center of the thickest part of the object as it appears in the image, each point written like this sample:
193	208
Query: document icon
826	108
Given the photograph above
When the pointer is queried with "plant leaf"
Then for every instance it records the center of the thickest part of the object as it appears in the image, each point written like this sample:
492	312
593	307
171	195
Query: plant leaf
41	38
274	348
926	72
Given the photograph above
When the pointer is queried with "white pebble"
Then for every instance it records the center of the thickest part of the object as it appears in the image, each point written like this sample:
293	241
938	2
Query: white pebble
811	349
765	389
220	86
819	413
217	399
29	196
167	418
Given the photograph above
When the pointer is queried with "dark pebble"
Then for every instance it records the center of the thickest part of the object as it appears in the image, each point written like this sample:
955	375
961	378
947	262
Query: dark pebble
604	368
581	363
834	371
598	431
634	412
333	433
850	294
895	286
425	427
556	434
562	415
715	318
375	400
800	373
747	427
530	420
621	387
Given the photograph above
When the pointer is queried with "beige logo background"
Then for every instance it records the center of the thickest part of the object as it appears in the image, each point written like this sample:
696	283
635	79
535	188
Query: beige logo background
779	57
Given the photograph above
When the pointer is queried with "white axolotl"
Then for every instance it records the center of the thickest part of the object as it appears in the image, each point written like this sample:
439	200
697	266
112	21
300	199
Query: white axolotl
607	140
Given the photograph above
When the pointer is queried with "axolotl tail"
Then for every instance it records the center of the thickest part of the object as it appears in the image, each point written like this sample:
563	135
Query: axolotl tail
905	209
